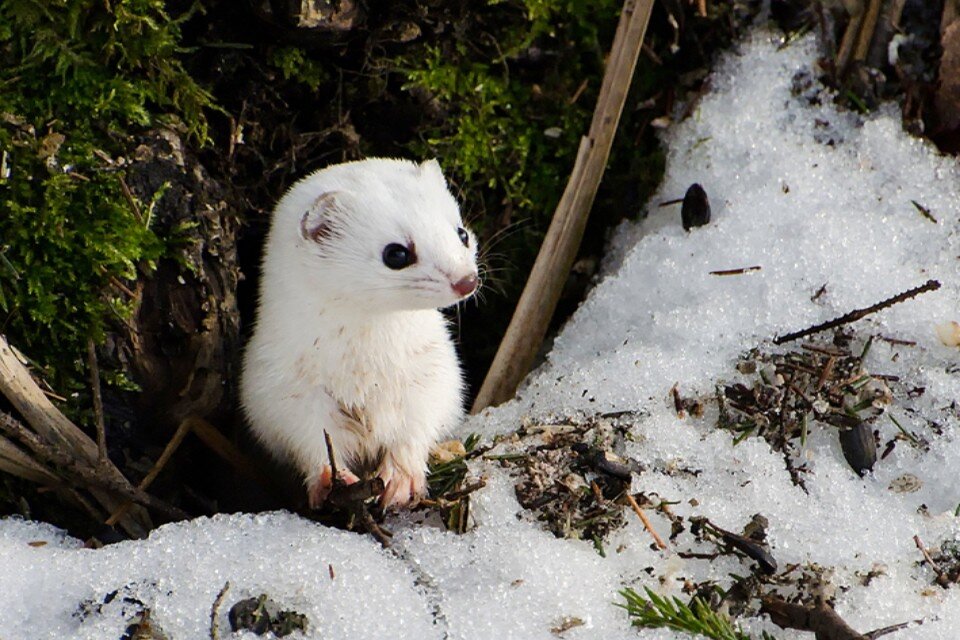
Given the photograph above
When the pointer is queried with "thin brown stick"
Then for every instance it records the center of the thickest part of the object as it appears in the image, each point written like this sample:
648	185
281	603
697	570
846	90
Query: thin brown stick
382	535
865	37
576	94
848	44
83	472
97	400
134	206
220	445
857	314
335	476
825	373
669	203
942	577
124	288
646	523
467	490
819	618
876	633
215	612
158	466
528	327
735	272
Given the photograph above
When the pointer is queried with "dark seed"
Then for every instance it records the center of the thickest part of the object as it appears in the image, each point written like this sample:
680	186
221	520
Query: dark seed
695	211
859	447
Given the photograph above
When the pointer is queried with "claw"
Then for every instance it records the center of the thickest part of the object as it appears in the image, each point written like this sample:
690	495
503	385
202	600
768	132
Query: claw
403	488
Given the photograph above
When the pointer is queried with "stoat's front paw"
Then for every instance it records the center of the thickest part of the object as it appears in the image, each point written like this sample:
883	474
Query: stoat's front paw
403	487
319	489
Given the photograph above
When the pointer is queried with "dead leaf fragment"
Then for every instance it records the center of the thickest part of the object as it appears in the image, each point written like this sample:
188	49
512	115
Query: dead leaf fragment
50	145
447	451
565	624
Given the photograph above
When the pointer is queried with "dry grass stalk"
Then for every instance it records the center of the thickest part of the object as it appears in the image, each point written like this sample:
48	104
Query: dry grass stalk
646	523
558	251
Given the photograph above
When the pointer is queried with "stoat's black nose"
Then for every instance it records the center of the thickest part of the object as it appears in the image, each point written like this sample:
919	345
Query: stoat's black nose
465	286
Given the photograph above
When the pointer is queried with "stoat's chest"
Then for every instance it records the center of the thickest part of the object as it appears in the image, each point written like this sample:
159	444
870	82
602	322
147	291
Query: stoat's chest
374	364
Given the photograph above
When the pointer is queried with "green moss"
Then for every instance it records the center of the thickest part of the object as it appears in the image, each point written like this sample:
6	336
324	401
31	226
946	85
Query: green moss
80	78
295	65
508	135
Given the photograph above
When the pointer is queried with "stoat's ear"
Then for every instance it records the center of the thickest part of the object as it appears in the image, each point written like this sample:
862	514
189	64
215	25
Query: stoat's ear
431	169
317	223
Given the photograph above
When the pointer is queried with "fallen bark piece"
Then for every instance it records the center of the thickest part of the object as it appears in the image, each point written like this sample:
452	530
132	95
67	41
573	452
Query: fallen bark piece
820	618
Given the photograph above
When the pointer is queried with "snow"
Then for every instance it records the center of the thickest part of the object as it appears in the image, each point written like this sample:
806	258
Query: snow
814	197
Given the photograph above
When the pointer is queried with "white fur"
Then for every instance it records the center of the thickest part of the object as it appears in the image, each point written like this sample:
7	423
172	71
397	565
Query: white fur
339	333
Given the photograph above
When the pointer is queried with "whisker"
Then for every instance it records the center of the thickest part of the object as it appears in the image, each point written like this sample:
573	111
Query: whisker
503	233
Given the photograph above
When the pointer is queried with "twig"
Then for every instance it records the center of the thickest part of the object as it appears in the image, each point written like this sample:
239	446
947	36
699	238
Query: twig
942	578
576	94
848	43
382	535
825	373
668	203
646	523
220	445
82	472
924	211
97	400
130	199
333	463
215	612
540	296
867	30
820	618
15	461
158	466
124	288
25	395
876	633
847	318
353	497
735	272
465	491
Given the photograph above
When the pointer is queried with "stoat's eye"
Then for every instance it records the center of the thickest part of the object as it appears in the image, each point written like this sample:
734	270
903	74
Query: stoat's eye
464	236
397	256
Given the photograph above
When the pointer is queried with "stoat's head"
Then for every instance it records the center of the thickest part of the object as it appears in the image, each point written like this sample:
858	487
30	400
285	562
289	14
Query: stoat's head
379	234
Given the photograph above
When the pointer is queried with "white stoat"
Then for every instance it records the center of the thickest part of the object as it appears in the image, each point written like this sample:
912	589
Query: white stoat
348	338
